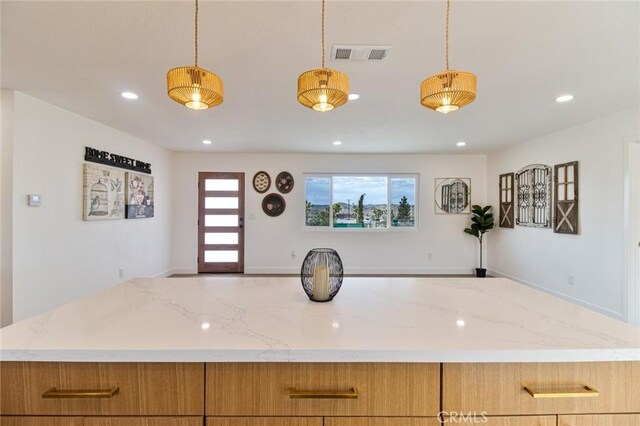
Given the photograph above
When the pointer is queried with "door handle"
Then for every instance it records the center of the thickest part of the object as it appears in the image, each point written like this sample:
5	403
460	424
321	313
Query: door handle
241	223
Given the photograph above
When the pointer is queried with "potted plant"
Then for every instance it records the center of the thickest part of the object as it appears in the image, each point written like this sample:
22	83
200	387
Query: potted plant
481	223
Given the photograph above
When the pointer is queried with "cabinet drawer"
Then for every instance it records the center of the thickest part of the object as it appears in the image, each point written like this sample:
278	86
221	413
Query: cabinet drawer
264	421
41	421
600	420
142	389
314	389
511	421
380	421
143	421
499	389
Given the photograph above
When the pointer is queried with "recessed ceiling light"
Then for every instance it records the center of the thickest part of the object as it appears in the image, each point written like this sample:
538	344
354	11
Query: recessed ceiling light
564	98
461	143
205	326
129	95
207	142
460	323
353	96
336	143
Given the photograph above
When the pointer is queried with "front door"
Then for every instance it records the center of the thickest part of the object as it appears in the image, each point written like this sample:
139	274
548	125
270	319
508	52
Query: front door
220	222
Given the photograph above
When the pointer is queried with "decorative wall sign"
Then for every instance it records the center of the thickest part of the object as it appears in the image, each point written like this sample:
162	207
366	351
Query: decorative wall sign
534	196
506	200
103	193
139	196
103	157
261	182
273	204
453	195
565	208
284	182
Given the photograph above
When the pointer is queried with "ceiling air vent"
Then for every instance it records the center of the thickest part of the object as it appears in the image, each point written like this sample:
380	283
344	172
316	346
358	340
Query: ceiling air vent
360	53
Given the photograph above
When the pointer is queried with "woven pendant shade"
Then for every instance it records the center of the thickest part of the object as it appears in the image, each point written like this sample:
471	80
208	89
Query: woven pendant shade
448	91
323	89
195	87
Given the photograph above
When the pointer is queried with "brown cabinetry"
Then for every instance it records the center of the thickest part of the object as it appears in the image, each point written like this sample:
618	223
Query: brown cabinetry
133	389
328	389
542	388
515	421
600	420
264	421
41	421
319	394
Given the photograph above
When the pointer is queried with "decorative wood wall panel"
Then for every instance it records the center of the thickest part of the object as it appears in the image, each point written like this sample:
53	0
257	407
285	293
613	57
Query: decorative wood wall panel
534	196
566	198
506	200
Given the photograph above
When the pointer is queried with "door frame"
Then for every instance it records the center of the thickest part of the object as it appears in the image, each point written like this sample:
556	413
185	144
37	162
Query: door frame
631	293
235	267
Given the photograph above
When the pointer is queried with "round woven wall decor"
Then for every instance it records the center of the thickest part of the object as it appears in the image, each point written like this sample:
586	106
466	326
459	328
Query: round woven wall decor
284	182
261	182
273	205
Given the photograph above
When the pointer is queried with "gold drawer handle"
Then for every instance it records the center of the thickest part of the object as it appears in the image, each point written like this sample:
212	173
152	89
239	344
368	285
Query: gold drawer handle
55	393
298	394
585	392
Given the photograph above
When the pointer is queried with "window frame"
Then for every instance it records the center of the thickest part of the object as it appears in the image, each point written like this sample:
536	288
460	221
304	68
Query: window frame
389	228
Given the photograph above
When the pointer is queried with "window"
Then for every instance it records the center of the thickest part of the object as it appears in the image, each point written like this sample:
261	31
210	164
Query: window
360	201
534	206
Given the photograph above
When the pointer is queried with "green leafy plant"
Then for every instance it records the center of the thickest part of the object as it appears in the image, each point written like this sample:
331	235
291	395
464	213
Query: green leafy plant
481	223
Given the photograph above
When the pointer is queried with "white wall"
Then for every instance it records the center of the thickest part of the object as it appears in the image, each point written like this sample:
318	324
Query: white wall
57	256
269	241
6	204
594	258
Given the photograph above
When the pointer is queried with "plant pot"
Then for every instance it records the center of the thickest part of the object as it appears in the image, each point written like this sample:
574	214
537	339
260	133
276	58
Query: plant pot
481	272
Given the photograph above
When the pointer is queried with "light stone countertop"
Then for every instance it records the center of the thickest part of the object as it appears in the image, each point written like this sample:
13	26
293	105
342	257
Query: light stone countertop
270	319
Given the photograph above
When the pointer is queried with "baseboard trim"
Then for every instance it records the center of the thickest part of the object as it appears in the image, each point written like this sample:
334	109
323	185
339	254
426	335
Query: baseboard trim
183	270
368	271
164	274
617	315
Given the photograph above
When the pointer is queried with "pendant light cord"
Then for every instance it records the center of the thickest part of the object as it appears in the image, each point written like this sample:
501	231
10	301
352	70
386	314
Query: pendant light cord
196	35
322	33
446	44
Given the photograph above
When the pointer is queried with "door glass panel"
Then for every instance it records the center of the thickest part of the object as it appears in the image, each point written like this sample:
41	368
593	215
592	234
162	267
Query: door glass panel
221	184
221	238
219	256
221	203
221	220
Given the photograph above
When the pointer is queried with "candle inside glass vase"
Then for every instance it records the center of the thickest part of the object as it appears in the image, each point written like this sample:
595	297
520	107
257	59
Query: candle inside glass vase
321	282
321	274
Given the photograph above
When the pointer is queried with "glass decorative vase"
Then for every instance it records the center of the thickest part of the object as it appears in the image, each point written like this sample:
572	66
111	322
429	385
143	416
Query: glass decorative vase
321	274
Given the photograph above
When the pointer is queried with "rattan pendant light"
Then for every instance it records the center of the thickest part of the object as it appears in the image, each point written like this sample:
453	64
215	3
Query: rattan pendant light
195	87
323	89
451	89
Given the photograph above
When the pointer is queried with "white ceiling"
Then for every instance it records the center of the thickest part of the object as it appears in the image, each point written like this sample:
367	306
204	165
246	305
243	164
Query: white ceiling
81	55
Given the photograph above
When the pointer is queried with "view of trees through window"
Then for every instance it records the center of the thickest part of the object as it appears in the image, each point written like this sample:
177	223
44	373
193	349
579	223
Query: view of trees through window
360	201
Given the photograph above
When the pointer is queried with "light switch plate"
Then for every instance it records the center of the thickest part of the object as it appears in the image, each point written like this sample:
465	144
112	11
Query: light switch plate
33	200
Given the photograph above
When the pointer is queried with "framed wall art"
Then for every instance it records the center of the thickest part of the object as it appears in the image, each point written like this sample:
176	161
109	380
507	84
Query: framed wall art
453	195
103	193
139	196
506	200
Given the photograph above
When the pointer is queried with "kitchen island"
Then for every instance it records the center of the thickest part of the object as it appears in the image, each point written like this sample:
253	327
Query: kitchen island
254	351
